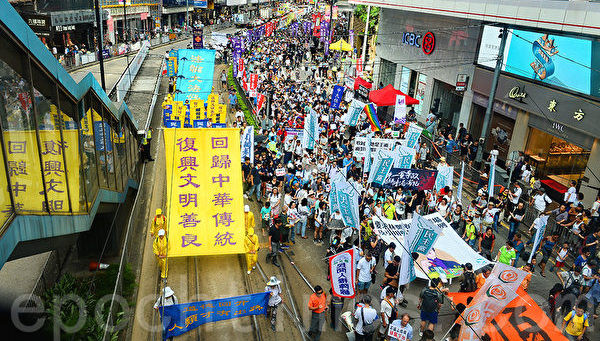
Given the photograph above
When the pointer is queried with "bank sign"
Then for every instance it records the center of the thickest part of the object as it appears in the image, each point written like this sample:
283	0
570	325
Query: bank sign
425	42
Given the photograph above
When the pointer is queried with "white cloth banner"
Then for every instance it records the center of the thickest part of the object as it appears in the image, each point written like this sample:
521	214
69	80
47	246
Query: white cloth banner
359	149
400	109
421	237
492	175
539	234
460	183
405	157
311	130
444	259
341	267
382	164
412	135
248	144
354	110
444	177
347	201
498	290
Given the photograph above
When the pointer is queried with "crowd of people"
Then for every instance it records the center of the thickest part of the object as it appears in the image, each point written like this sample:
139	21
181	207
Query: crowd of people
292	184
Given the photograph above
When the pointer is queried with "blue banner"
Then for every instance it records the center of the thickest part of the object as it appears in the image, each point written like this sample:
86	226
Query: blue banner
181	318
492	175
200	3
102	134
410	179
347	200
336	96
198	38
248	144
195	71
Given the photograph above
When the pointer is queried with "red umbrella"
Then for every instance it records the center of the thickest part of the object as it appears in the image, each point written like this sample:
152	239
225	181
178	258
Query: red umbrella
359	81
387	96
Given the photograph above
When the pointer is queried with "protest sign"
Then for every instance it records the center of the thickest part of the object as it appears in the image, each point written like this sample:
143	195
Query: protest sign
444	177
400	109
410	179
341	273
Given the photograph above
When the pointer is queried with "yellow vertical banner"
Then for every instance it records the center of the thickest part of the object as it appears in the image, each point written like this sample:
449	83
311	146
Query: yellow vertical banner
25	171
204	192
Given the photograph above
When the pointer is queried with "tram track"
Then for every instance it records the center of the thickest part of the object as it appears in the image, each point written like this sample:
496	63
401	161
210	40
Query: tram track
250	290
292	315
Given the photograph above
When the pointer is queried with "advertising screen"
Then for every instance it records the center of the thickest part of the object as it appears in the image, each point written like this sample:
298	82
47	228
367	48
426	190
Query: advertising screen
558	60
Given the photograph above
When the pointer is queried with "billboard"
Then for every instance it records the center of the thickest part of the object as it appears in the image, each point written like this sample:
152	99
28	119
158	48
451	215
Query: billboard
558	60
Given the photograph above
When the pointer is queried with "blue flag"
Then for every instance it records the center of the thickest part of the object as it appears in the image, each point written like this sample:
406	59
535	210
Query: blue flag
336	96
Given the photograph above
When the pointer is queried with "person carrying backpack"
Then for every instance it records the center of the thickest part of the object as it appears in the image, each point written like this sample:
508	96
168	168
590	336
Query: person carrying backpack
430	301
576	322
468	283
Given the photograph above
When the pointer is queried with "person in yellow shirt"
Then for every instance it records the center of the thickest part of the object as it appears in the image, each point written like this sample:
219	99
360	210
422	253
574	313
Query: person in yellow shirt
576	322
251	243
248	218
160	249
159	222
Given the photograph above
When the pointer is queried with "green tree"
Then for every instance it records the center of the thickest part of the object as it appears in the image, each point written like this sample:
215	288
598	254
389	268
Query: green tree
361	13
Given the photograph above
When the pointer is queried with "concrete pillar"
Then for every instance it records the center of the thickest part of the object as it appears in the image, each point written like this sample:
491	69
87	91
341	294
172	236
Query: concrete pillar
520	132
593	168
465	108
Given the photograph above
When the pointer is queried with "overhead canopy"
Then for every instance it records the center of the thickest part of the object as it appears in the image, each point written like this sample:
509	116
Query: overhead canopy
521	319
359	81
340	45
387	96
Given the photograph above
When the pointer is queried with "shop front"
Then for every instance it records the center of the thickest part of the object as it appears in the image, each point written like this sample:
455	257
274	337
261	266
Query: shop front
556	130
425	56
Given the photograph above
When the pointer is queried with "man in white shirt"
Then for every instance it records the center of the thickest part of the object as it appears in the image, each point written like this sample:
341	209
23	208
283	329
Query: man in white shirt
365	315
387	309
514	196
388	255
363	273
540	200
571	193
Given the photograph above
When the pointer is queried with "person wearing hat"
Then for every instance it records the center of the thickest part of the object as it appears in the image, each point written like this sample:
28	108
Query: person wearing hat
159	222
389	209
166	299
252	246
248	218
274	290
160	249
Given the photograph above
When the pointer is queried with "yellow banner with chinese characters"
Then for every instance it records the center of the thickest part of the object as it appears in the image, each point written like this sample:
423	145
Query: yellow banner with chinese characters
25	171
204	192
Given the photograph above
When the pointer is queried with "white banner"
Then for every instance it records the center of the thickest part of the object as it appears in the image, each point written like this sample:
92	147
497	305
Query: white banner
248	144
444	177
448	253
498	290
405	157
492	175
412	135
539	234
311	130
354	110
421	237
341	270
400	109
360	146
460	183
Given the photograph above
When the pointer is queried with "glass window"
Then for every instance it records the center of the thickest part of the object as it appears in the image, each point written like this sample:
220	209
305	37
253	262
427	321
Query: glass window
53	149
73	152
100	129
122	155
20	141
88	161
118	142
110	152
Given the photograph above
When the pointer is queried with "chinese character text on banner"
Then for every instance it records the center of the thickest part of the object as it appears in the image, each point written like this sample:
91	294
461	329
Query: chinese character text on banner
204	187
